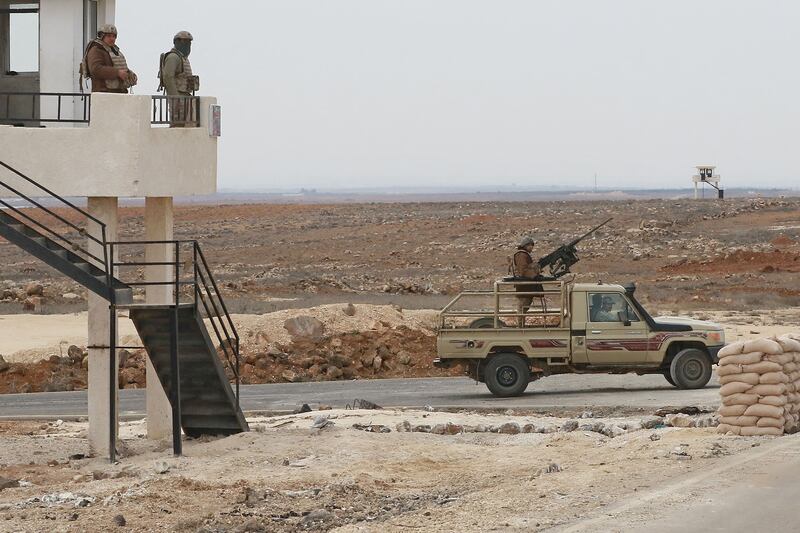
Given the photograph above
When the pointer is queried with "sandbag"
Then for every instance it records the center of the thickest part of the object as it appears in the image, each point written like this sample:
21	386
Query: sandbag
777	401
769	422
759	432
740	399
763	367
773	378
729	370
768	390
741	421
768	346
742	359
732	410
781	359
733	388
761	409
788	344
727	428
790	367
734	348
751	378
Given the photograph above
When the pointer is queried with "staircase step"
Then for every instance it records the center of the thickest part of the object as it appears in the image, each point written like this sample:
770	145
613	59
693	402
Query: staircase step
210	421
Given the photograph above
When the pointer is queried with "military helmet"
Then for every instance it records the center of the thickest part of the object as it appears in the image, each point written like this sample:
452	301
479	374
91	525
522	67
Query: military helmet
526	241
183	35
107	28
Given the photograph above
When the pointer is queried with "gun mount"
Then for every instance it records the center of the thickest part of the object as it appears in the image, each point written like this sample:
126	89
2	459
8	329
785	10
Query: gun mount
559	261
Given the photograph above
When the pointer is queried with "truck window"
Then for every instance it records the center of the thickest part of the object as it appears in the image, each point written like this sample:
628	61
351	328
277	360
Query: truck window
606	307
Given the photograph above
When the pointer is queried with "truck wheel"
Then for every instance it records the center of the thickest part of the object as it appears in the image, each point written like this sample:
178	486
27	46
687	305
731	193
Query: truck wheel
507	375
669	378
690	369
485	322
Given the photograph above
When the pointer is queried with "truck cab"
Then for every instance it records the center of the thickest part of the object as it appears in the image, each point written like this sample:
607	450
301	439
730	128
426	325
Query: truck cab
522	331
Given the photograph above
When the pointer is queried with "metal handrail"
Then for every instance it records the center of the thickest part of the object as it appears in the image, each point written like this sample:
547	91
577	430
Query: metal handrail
203	283
35	109
82	231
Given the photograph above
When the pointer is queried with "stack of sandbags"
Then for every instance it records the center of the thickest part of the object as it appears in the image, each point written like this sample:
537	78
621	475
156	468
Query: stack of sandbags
753	386
791	352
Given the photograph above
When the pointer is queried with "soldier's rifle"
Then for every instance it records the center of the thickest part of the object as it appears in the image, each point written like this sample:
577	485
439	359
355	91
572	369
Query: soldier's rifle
559	261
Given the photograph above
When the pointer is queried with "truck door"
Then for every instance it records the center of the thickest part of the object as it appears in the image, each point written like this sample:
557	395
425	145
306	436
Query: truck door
615	334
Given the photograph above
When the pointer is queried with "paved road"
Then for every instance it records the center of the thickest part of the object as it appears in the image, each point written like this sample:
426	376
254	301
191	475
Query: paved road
555	391
755	490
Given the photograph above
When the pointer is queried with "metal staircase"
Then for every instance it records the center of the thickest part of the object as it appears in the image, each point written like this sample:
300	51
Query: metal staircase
194	369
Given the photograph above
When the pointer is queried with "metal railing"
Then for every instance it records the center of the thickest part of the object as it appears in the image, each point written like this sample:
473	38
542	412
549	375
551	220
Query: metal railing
176	111
529	305
21	108
30	215
192	282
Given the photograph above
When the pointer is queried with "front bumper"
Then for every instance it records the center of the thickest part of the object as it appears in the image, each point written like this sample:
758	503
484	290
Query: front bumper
442	363
713	351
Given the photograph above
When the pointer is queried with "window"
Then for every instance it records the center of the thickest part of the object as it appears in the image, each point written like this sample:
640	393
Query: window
610	307
23	38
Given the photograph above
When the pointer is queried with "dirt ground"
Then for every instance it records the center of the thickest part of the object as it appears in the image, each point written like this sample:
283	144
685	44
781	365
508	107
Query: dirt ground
739	254
387	470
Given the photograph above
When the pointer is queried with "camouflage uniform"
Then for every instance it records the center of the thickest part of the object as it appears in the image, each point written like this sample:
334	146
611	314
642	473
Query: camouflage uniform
179	81
524	266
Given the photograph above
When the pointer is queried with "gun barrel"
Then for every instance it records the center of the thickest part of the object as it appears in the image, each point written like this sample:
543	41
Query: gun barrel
579	239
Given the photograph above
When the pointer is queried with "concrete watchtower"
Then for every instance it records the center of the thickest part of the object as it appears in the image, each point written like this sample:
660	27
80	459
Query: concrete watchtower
705	174
102	147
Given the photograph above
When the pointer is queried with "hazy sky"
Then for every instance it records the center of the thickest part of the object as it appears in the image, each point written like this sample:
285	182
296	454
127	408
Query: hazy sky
466	92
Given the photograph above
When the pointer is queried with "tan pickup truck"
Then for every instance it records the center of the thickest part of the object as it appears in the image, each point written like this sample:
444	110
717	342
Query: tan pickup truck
506	340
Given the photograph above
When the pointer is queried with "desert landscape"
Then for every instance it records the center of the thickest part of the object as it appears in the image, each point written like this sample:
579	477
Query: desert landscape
372	276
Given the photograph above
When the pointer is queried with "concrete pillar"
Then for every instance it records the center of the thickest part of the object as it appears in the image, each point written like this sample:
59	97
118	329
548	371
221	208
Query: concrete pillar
158	224
100	384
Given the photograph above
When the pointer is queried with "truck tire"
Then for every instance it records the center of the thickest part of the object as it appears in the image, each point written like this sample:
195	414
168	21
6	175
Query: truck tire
507	374
690	369
486	322
669	378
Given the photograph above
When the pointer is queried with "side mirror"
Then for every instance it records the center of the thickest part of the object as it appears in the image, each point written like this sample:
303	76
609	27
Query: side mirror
622	316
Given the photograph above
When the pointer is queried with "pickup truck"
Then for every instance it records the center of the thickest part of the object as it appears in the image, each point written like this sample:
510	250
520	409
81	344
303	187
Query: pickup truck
506	341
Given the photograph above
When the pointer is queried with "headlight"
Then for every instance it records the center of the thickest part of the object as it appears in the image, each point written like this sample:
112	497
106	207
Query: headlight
716	337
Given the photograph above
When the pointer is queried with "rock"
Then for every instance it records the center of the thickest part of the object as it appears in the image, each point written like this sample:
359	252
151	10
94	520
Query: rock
34	288
305	408
85	362
404	358
76	354
298	360
338	360
322	421
652	422
349	310
596	427
655	436
447	429
552	468
250	526
70	296
318	515
403	427
290	376
333	372
3	365
529	428
377	362
119	520
569	425
7	294
8	483
586	414
509	428
161	467
679	420
613	431
421	428
305	327
124	357
262	364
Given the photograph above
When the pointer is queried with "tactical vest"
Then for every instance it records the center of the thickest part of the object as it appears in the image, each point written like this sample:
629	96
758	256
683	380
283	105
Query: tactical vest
513	265
117	61
185	81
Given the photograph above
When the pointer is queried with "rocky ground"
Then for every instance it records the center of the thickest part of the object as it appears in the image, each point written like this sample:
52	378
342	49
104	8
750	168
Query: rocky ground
332	470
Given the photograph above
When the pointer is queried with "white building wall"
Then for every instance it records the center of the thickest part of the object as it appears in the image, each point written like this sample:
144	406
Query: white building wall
119	154
60	50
